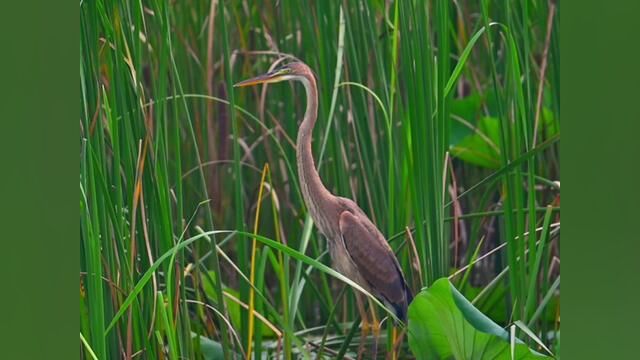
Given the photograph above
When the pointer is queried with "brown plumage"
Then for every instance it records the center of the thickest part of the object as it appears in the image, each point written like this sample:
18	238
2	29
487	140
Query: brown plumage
358	249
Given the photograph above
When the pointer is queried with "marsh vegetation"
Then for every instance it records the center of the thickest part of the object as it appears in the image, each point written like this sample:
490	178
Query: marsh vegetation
440	119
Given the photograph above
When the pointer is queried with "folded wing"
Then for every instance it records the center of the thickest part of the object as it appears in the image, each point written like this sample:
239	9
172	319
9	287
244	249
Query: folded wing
374	260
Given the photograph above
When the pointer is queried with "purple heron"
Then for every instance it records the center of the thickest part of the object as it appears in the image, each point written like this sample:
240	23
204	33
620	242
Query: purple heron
358	249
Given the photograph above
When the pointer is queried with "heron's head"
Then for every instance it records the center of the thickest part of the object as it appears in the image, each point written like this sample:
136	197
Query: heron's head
290	71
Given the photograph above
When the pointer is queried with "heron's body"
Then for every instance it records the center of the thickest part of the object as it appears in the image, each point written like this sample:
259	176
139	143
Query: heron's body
357	248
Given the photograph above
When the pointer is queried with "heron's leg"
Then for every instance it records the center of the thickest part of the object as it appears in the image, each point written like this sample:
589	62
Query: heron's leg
375	329
365	324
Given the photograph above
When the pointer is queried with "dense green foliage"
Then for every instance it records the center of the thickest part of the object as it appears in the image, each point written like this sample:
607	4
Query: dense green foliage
441	119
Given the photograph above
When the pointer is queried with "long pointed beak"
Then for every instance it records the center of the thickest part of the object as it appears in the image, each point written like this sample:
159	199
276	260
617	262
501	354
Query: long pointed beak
262	79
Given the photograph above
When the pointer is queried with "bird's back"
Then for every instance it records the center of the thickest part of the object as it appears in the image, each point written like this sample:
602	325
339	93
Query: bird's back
373	258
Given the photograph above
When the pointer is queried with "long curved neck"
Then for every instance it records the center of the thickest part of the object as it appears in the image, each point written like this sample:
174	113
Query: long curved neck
316	195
